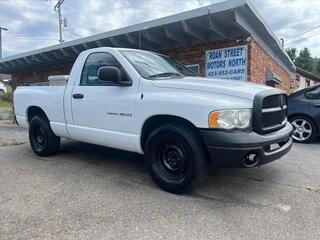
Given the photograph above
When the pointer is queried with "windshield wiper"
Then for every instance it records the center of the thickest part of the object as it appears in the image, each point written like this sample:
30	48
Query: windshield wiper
165	74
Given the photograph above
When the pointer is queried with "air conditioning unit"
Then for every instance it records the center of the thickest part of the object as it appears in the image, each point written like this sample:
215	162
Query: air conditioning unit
272	78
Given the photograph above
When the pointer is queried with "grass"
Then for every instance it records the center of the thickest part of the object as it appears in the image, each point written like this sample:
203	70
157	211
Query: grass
6	99
5	104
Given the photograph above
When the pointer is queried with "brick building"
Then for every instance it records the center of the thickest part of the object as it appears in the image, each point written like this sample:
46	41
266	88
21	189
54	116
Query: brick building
227	40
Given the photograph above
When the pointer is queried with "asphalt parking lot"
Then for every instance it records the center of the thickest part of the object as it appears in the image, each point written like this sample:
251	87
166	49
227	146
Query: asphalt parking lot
90	192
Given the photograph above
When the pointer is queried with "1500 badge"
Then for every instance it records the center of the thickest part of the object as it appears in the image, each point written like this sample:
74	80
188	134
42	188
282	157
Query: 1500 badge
120	114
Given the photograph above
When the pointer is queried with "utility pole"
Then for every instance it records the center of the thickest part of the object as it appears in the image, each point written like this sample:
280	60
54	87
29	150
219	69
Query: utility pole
62	23
4	29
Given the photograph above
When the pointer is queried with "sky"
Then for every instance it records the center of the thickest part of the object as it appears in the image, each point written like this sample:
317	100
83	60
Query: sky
33	24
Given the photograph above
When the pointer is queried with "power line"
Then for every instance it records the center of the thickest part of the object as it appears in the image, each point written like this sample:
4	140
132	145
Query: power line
31	35
73	33
38	37
22	38
300	34
27	37
301	39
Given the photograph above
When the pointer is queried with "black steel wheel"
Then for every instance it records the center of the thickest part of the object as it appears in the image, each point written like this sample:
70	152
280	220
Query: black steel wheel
39	139
42	139
172	160
176	158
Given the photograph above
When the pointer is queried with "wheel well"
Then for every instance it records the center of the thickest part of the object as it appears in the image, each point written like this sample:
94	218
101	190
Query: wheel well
307	116
155	121
36	111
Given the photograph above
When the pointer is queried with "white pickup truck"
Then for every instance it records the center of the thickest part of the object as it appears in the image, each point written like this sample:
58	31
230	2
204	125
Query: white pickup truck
144	102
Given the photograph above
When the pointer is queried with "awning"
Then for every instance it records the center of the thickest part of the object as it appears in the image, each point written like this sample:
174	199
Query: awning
225	20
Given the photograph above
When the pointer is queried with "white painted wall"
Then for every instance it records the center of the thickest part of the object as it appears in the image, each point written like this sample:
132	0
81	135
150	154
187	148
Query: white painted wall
305	82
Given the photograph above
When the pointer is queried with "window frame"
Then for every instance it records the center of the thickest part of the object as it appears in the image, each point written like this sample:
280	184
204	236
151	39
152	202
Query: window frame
194	65
105	83
312	89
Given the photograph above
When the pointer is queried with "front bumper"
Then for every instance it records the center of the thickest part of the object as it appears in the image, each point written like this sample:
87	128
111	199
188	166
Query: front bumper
233	148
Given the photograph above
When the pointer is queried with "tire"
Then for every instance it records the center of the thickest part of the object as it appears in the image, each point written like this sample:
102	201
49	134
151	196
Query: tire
305	130
176	158
42	139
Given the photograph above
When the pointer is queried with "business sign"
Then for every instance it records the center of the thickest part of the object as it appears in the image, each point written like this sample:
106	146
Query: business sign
227	63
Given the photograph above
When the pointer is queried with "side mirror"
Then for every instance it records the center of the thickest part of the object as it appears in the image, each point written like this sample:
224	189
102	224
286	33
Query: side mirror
109	74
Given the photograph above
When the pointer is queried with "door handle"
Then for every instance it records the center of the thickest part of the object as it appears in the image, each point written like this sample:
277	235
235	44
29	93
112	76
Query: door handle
77	95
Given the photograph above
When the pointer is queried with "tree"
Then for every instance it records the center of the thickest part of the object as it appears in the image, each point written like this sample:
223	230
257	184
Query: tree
292	52
304	60
316	67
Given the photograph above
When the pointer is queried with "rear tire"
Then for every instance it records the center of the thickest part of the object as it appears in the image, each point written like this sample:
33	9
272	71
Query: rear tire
305	130
176	158
42	139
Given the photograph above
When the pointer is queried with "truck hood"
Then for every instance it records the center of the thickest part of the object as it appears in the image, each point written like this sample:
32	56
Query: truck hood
227	87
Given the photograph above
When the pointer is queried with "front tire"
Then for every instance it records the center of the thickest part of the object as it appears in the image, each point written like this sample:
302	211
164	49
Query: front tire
42	139
305	131
176	158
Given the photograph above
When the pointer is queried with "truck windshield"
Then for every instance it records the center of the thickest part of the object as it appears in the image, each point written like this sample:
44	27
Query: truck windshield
155	66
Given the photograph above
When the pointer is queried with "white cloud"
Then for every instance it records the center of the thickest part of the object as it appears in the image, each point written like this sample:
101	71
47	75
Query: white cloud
289	18
33	23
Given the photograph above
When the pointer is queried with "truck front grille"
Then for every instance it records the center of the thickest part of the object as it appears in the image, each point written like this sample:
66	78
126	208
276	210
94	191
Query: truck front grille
269	111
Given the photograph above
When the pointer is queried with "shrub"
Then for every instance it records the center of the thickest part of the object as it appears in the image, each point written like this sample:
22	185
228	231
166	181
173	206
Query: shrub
8	96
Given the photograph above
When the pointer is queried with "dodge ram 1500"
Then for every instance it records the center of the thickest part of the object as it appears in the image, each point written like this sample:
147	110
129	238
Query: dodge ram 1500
145	102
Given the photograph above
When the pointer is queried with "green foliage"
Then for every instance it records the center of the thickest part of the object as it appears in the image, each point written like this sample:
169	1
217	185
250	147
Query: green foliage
292	52
316	66
8	96
304	60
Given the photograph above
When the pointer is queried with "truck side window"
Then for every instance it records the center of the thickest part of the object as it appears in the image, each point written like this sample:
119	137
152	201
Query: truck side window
89	76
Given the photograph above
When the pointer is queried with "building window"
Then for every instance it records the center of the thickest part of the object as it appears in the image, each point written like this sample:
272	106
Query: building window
307	83
194	68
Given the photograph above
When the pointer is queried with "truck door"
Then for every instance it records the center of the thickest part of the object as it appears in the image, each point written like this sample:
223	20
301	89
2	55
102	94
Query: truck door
103	112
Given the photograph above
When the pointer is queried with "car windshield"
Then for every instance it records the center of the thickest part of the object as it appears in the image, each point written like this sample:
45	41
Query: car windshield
155	66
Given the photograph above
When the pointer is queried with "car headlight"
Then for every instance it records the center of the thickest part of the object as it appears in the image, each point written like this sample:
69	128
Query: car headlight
230	119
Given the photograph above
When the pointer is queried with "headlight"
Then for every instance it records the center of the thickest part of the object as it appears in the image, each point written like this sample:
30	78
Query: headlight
230	119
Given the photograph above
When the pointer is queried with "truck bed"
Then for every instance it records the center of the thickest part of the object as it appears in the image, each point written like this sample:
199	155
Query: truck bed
48	98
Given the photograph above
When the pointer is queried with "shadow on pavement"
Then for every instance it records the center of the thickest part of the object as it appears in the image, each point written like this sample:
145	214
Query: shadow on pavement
224	187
